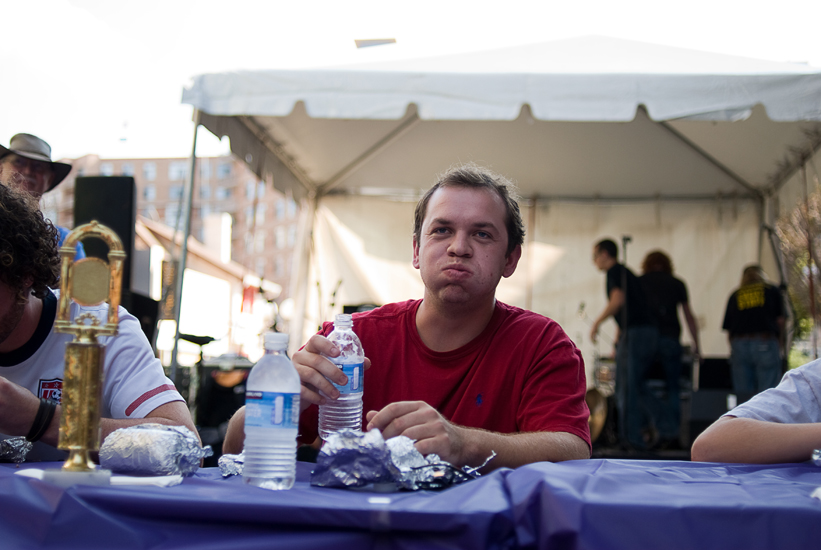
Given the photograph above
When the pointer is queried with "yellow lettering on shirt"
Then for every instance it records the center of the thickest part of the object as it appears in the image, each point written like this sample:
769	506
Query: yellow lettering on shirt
750	296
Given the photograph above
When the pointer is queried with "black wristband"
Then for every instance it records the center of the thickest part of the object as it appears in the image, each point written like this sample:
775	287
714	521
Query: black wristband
42	420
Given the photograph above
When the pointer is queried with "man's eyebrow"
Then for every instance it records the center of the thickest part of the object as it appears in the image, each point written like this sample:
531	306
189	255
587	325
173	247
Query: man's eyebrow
477	225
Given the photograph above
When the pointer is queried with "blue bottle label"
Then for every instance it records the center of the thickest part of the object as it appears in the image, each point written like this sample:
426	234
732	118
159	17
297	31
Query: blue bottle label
356	377
265	409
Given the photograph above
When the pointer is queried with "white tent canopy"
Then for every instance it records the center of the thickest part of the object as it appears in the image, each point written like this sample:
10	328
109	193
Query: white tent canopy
683	150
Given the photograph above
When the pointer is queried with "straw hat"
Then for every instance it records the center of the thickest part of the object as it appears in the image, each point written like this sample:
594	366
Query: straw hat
32	147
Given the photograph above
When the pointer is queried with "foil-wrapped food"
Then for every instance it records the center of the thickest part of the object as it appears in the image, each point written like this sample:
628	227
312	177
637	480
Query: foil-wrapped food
355	459
14	449
816	457
153	449
231	465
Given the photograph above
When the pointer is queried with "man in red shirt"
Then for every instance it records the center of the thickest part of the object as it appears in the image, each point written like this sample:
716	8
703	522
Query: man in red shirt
459	372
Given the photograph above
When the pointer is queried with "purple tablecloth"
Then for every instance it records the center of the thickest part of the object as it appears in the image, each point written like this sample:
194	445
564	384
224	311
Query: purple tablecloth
630	505
593	504
209	512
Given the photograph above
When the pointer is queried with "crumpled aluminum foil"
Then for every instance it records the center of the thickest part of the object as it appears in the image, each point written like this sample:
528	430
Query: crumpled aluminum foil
354	459
231	465
153	449
14	449
816	457
350	458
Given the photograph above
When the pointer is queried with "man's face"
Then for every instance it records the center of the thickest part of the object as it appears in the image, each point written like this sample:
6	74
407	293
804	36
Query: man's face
10	311
462	249
601	259
33	176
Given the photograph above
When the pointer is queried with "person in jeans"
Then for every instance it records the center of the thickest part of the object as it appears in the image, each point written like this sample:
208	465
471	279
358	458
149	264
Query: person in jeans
666	293
638	334
754	320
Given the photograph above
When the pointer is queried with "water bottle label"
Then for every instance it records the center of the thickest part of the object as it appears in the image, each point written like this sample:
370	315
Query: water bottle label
265	409
356	377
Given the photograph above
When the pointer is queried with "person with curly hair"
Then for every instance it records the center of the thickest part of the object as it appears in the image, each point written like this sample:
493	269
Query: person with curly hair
26	165
32	354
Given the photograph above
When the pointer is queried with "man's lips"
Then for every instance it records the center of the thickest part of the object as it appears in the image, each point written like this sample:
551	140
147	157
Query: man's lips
457	269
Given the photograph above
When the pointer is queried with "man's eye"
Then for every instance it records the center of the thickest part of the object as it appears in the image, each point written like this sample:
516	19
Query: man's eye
483	234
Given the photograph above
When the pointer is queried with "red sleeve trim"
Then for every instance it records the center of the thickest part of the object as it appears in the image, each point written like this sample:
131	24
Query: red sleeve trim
148	395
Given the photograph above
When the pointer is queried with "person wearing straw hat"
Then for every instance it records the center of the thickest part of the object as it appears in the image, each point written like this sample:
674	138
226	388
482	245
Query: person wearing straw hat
26	164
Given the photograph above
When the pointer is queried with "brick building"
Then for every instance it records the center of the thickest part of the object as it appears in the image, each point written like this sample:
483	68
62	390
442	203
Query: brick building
264	221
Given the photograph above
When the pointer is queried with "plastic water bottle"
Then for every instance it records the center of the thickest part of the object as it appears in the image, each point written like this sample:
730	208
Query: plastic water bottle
345	411
272	418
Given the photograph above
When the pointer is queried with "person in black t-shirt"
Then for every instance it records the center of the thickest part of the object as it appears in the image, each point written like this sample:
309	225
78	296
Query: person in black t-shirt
627	304
665	293
754	320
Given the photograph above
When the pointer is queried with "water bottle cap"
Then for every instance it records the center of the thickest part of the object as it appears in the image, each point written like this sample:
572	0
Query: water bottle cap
276	340
343	319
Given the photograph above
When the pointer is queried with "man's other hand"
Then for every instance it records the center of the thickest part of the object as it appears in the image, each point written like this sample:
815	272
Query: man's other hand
422	423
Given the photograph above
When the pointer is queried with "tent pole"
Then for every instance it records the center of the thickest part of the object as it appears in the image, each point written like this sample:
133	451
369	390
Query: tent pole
374	150
188	194
711	159
301	269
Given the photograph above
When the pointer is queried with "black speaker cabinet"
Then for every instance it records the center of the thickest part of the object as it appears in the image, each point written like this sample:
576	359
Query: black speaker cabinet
111	201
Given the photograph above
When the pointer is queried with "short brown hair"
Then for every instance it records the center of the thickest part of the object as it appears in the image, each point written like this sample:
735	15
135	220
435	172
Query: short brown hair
28	245
657	261
475	177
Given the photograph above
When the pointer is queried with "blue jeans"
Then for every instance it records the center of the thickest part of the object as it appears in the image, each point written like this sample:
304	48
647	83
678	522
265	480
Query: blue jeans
668	413
755	363
633	357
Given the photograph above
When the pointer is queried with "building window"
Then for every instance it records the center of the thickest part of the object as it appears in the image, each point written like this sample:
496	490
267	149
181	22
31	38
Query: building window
260	266
279	267
260	189
205	191
281	237
291	236
150	192
171	212
291	208
127	169
106	169
260	218
249	216
205	210
249	243
259	244
205	169
175	192
177	170
223	193
150	171
280	209
223	170
250	186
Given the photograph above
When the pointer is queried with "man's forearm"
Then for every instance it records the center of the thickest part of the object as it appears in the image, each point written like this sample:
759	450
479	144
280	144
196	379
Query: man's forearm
514	450
745	440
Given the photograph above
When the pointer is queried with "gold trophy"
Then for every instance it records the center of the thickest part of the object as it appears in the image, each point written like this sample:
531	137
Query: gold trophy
88	282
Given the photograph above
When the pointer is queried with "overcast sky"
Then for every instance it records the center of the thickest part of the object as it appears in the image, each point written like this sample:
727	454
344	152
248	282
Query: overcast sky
106	77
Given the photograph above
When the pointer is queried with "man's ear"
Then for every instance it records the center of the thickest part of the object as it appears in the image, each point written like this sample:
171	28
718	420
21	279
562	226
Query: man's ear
415	253
512	261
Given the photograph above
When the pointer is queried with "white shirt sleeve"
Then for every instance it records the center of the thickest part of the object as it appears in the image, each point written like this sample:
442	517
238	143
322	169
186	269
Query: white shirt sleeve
135	383
796	399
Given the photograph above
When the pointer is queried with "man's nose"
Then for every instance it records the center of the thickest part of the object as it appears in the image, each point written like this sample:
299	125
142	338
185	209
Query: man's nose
460	244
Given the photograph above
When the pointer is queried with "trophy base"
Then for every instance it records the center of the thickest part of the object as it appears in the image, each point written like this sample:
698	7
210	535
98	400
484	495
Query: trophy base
63	478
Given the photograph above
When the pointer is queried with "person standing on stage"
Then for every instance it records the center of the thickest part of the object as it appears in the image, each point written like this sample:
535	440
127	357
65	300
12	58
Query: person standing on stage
754	320
627	304
665	293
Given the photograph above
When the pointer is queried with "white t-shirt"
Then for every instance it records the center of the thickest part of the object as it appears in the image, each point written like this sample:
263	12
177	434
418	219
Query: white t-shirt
796	399
134	383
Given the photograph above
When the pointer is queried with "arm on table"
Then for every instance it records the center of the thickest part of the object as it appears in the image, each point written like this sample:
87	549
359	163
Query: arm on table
18	407
613	306
744	440
470	446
